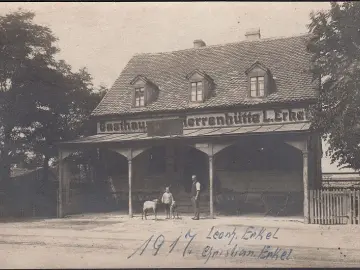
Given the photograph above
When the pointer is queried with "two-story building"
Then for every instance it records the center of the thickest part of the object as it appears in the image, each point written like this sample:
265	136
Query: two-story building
236	115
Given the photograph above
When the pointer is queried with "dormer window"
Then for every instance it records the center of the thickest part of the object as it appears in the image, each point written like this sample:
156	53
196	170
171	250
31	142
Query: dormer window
197	90
144	91
260	81
139	97
200	86
257	86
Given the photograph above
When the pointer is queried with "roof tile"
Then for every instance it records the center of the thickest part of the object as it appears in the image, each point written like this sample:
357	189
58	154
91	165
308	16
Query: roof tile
286	58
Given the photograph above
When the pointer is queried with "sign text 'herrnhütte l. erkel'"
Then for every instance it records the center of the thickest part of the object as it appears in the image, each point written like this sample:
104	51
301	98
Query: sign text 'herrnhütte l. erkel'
234	115
231	119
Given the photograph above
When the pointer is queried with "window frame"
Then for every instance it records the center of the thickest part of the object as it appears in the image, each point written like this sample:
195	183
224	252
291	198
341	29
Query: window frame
137	100
259	70
259	93
147	96
199	91
203	91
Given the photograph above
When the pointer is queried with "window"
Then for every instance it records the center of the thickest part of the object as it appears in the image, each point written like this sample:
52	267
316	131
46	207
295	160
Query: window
257	86
197	91
139	97
260	81
200	86
144	92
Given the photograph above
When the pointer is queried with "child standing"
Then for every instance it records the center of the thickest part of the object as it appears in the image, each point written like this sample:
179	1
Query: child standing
167	199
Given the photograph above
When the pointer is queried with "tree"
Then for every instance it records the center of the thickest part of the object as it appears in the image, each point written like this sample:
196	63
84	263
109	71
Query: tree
42	101
65	101
335	45
25	48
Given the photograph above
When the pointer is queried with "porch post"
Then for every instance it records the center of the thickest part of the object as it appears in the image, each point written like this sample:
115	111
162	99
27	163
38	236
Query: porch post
60	191
130	192
64	183
306	186
319	153
302	145
67	179
211	186
211	149
130	154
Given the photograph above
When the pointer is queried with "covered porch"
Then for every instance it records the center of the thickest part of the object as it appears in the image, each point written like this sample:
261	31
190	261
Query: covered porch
227	163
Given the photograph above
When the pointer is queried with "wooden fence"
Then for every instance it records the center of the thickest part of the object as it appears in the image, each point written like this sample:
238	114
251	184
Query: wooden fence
334	206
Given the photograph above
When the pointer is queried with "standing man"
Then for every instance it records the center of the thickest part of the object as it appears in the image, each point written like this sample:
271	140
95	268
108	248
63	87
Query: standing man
195	197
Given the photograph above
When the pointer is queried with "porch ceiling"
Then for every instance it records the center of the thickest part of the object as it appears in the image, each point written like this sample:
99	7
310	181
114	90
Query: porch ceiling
192	133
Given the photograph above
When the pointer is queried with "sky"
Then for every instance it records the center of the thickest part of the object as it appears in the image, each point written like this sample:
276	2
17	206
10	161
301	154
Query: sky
104	36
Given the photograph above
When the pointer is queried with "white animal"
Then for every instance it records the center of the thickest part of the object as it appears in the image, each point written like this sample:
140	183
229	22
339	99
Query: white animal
148	205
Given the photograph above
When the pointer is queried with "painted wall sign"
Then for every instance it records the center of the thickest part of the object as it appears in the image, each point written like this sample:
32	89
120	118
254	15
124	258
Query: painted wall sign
164	127
228	119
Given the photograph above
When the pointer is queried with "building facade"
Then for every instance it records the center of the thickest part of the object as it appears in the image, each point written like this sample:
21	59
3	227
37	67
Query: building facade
236	115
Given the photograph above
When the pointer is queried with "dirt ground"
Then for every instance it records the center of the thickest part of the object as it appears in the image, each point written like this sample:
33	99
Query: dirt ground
113	240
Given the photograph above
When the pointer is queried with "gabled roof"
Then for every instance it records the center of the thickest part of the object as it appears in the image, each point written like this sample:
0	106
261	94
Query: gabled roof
139	77
256	64
201	73
286	58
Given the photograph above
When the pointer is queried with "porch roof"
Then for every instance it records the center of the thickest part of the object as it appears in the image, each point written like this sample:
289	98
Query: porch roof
191	133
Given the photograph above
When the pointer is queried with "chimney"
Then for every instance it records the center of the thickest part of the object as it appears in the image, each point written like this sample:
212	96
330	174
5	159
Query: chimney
199	43
253	34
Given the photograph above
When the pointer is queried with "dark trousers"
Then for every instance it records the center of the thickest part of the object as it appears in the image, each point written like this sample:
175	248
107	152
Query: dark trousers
196	204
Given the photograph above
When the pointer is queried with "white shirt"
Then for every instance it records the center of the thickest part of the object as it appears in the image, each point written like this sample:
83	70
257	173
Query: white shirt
197	186
167	198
